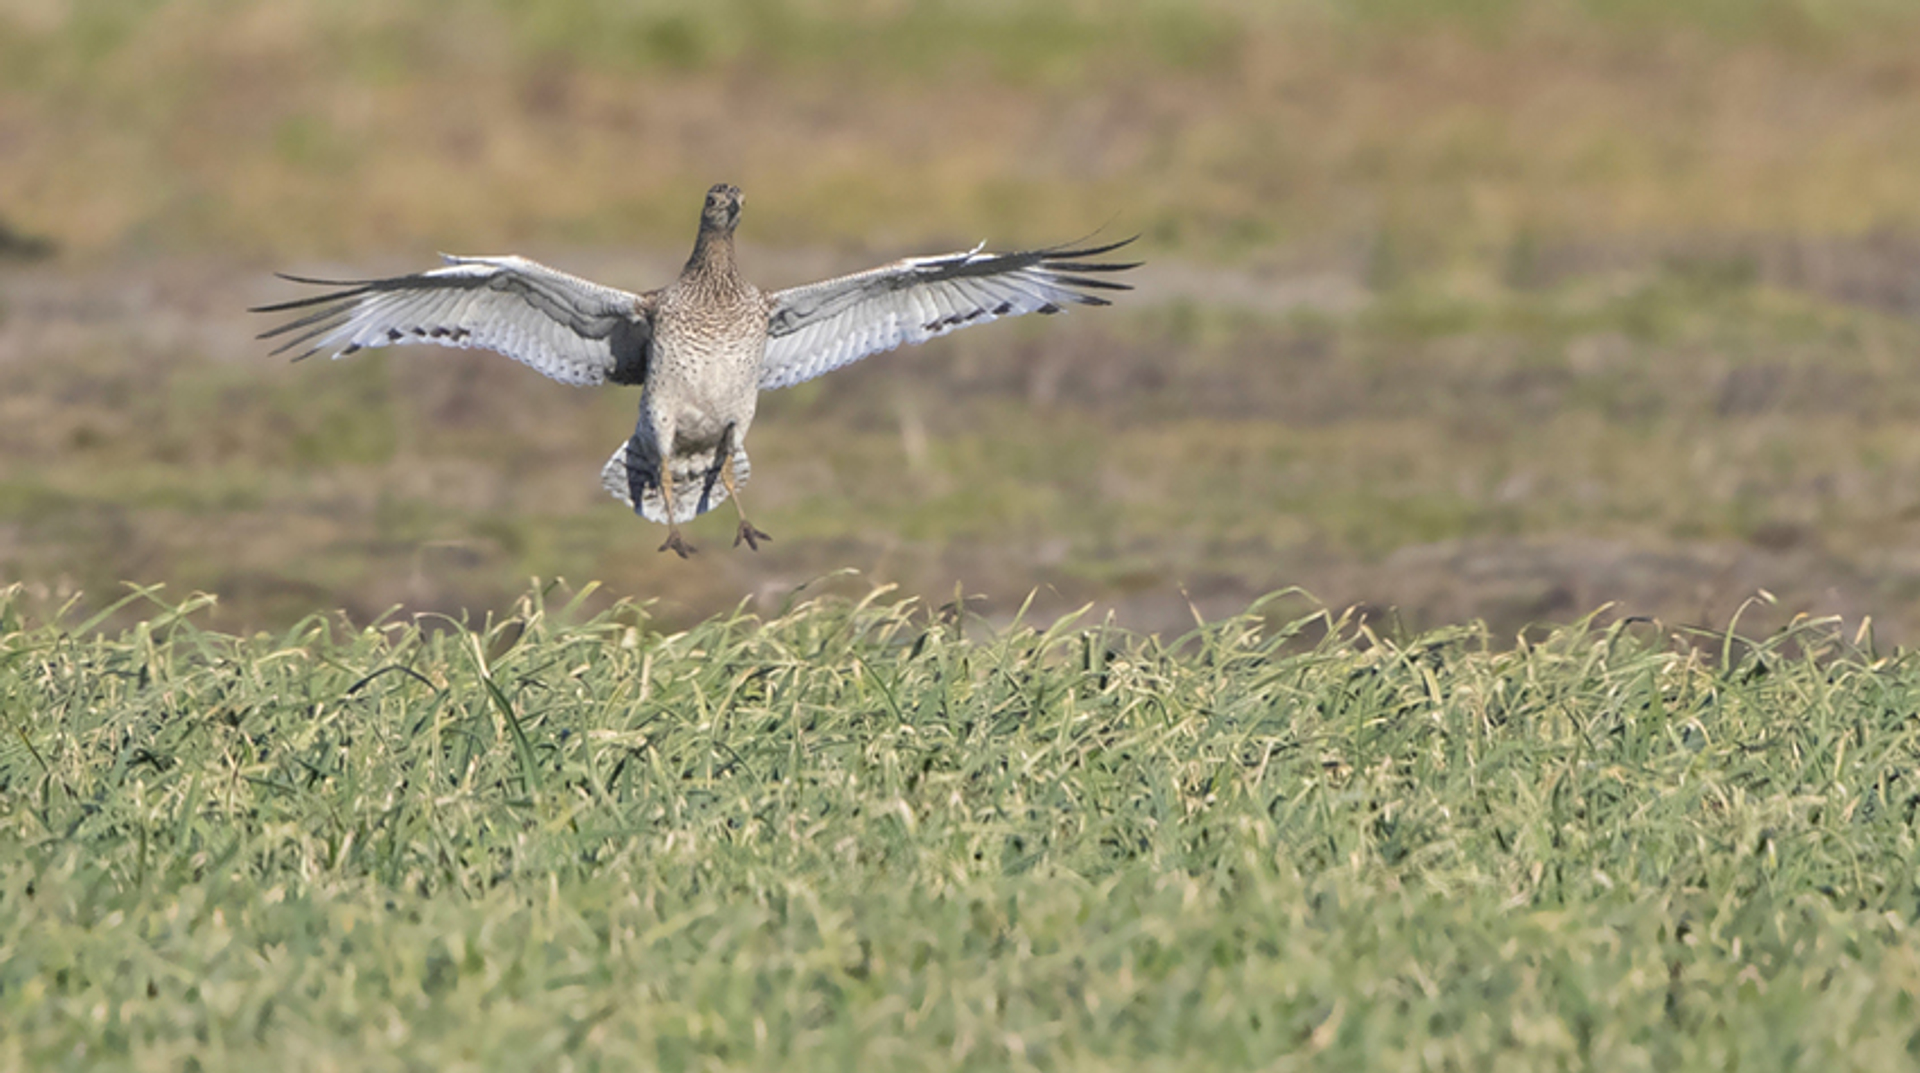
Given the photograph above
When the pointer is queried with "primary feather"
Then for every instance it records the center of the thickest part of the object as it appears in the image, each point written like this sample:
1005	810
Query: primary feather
567	328
820	327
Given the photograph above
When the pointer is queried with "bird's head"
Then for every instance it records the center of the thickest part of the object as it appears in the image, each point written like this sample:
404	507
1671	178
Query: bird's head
723	207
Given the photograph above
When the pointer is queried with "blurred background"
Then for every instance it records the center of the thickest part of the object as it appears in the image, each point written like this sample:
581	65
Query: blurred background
1453	307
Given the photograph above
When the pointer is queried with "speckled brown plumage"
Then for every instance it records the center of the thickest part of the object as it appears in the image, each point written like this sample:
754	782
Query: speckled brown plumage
703	381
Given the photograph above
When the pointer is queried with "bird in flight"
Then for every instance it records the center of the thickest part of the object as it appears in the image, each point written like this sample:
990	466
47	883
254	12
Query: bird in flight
702	348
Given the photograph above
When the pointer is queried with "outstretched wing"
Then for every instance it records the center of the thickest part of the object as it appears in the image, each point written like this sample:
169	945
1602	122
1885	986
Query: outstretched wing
568	328
818	328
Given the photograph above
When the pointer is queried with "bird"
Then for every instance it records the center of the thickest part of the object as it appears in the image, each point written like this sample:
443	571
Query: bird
701	349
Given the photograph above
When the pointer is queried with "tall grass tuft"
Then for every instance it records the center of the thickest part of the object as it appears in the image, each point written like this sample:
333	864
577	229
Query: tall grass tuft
867	833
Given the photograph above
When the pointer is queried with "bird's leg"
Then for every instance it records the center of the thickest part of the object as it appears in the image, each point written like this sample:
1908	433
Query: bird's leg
675	542
748	533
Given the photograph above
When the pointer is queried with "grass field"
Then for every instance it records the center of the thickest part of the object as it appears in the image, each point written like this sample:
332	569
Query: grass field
1570	344
874	836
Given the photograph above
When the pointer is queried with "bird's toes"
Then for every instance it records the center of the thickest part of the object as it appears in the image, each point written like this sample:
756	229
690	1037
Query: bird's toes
678	545
752	536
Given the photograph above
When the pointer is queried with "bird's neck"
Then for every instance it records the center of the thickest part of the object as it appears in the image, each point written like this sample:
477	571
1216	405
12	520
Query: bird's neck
712	254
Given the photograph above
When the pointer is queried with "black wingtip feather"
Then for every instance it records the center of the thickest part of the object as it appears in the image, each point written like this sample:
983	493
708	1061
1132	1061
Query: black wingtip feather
1092	266
317	282
1101	284
317	325
314	317
290	344
1062	253
311	300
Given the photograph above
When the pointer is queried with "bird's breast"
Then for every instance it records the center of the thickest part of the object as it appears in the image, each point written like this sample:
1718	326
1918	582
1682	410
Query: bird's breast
706	372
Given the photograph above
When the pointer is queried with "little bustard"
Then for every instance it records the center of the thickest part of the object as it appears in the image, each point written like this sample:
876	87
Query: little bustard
701	348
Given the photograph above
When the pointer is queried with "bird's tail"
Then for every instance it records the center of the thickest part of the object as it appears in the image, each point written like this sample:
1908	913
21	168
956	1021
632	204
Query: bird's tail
697	488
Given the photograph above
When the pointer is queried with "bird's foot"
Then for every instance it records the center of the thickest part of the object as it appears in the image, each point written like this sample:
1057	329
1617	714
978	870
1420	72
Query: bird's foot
678	544
752	536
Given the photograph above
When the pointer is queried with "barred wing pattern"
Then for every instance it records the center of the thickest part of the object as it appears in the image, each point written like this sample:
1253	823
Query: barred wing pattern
567	328
820	327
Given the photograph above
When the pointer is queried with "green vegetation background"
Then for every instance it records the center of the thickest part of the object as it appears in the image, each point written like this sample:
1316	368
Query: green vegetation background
1453	309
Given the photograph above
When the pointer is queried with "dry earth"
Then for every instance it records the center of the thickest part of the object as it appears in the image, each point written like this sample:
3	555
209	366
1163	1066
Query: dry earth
145	436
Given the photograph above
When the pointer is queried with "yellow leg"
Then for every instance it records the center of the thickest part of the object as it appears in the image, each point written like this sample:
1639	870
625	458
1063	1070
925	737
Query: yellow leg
748	533
675	542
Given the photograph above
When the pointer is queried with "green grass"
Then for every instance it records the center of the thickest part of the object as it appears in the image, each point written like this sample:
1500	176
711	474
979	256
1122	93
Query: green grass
867	835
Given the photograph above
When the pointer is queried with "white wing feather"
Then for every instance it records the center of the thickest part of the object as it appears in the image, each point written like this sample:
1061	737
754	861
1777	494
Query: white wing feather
820	327
570	329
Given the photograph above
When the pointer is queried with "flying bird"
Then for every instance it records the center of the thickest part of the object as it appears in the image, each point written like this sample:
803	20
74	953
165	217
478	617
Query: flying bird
702	348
